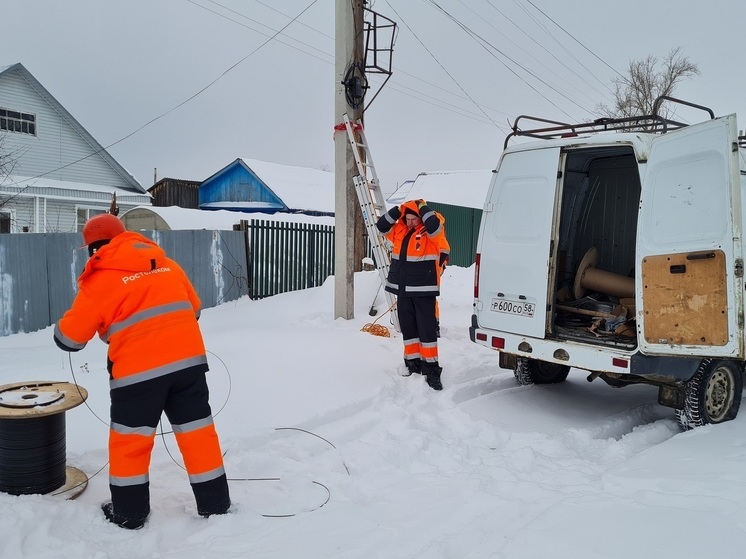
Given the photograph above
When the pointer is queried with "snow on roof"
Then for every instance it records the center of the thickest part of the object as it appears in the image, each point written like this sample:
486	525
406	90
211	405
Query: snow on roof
300	188
400	194
457	188
222	220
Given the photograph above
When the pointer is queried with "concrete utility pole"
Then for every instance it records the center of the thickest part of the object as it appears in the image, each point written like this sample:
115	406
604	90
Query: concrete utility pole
349	50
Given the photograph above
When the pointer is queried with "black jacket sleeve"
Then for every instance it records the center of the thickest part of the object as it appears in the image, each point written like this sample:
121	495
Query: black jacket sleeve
429	220
387	220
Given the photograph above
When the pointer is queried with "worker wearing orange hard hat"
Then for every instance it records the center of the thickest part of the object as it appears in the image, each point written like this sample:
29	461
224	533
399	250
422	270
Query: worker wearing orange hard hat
141	303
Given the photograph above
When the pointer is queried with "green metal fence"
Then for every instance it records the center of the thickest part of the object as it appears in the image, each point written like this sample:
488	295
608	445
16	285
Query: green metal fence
462	231
288	256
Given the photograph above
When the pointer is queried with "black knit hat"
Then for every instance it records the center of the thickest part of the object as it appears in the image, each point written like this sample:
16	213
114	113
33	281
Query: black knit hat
410	211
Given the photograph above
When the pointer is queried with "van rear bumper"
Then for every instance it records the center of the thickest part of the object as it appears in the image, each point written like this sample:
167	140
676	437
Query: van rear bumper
651	369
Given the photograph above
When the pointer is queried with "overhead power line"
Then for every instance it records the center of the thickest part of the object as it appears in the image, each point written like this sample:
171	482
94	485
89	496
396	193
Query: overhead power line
531	38
185	101
574	39
273	34
443	68
484	43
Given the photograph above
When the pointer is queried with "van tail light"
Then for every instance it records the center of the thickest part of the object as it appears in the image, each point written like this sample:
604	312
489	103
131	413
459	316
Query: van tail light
476	276
498	343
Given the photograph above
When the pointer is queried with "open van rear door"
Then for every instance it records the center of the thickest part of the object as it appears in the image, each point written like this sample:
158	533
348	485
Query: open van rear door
515	243
689	272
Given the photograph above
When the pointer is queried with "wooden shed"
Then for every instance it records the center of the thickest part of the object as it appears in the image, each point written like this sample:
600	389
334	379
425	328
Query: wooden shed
175	192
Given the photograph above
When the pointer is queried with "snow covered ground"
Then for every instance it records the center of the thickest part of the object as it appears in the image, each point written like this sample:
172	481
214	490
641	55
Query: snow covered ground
332	454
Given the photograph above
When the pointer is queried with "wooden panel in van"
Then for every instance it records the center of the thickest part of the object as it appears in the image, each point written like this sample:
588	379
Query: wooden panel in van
684	299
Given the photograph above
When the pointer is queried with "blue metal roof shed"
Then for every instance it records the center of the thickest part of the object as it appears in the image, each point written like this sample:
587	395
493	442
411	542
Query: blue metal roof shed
236	187
249	185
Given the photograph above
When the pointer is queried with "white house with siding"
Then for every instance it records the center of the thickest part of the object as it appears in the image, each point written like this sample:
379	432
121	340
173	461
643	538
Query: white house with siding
53	174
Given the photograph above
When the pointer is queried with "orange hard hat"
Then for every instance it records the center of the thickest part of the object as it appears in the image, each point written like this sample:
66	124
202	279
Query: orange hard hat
102	227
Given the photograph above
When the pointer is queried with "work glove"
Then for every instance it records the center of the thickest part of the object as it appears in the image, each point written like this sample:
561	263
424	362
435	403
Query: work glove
420	203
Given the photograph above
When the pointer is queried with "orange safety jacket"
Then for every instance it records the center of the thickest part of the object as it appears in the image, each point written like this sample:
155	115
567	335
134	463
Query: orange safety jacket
419	255
142	304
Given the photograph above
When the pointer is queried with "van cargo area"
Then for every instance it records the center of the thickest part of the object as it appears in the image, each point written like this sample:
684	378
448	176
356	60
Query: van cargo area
615	247
595	255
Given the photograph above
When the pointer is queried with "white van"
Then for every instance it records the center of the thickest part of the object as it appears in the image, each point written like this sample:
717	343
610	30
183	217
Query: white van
619	252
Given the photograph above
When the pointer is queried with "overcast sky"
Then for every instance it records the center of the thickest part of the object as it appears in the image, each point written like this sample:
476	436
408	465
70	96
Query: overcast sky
116	66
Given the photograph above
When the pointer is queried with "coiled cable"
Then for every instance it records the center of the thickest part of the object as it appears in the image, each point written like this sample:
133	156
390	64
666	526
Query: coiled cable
32	454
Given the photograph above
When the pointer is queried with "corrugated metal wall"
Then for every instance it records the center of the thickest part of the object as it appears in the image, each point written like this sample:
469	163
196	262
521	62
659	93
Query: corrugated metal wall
462	230
24	296
38	272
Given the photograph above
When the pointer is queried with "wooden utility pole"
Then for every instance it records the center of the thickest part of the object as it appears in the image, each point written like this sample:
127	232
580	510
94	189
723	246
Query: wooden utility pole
349	51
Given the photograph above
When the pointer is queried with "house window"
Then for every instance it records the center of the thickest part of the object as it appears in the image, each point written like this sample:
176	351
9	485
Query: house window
15	121
5	219
84	214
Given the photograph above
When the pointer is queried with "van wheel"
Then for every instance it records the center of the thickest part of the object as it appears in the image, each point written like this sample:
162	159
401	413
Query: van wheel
713	394
531	371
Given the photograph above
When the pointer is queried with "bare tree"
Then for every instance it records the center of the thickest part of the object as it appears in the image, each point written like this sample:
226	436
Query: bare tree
646	80
6	165
8	160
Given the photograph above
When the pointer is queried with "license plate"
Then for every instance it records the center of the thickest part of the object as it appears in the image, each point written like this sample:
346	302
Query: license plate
521	308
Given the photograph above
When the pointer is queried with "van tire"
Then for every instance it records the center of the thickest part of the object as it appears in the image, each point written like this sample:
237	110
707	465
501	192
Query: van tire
713	394
531	371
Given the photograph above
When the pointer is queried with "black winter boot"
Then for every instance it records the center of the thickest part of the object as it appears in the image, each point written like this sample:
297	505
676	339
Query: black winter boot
433	378
119	520
212	496
412	366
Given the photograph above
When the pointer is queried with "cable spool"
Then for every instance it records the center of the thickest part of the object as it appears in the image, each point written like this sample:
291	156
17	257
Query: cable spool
608	283
32	438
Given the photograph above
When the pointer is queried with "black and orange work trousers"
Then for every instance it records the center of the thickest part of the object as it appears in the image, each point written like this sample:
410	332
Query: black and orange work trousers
135	412
419	328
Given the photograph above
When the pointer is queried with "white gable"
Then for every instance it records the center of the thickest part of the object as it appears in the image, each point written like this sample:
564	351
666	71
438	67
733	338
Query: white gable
59	148
58	174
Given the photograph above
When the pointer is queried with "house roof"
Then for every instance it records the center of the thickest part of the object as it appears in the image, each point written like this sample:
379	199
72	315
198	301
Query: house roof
96	148
175	182
30	186
400	194
457	188
300	188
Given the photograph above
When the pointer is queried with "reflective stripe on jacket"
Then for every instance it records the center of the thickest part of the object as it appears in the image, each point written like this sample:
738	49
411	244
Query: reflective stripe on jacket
418	254
142	304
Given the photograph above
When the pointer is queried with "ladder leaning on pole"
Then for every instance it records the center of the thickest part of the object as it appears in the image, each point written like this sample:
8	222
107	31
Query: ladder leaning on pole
372	205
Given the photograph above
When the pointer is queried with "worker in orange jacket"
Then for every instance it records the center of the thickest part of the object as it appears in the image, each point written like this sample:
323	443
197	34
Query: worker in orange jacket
142	304
419	254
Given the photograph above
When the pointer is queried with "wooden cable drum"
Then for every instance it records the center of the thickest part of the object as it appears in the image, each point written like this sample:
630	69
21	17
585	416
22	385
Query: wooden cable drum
32	439
608	283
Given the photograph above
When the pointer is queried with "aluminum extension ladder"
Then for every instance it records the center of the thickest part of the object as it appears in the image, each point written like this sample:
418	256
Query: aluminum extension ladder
372	205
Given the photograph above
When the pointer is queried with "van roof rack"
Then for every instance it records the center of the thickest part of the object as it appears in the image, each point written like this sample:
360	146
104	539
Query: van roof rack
652	123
